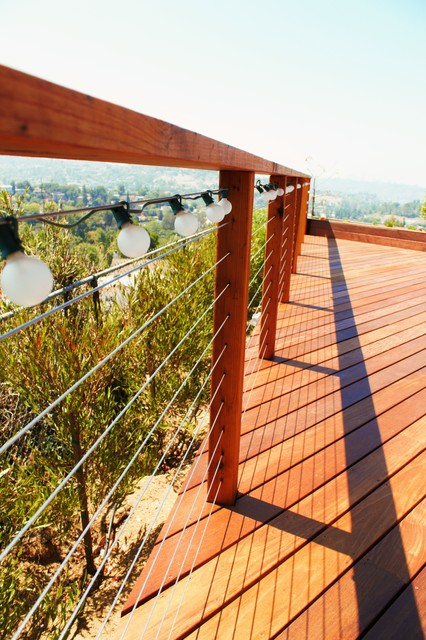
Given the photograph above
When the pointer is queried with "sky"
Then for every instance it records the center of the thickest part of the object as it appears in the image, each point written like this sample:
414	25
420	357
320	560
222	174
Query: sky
335	88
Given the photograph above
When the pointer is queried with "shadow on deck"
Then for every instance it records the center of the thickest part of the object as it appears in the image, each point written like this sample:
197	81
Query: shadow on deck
325	540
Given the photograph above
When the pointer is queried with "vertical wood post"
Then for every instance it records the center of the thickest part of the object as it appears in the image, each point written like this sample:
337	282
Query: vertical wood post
296	246
271	274
288	241
301	219
229	346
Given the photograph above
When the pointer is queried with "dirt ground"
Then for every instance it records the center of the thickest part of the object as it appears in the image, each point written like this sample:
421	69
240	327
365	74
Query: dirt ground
97	606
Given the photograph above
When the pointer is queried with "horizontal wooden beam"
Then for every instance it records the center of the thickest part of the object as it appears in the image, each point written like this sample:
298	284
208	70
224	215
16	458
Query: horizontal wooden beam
388	236
42	119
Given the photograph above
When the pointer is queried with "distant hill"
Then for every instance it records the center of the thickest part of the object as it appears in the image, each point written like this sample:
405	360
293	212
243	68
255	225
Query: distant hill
109	175
38	170
386	191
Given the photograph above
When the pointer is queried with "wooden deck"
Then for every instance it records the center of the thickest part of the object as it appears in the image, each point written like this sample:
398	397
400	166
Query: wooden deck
326	539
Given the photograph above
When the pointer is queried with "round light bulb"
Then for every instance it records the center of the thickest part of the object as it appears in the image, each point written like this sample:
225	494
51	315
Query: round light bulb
26	280
289	188
186	224
226	205
214	212
133	241
280	191
265	196
272	194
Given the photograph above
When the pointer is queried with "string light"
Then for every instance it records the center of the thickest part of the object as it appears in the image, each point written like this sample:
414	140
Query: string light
186	224
270	191
263	192
214	212
133	240
224	202
25	280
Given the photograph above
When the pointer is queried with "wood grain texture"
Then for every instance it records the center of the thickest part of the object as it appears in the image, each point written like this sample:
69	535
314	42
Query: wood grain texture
271	273
229	327
331	460
289	237
397	620
336	612
42	119
391	237
322	499
301	221
275	560
298	210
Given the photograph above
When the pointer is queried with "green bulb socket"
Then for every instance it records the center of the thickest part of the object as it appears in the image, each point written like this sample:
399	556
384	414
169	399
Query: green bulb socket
176	205
207	198
121	215
9	237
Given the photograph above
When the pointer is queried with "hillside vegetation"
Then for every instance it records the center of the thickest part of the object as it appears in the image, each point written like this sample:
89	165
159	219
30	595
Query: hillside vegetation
41	362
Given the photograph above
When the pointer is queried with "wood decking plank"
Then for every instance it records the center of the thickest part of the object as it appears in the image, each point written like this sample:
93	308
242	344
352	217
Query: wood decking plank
331	454
319	406
326	557
301	373
376	581
268	372
298	486
316	326
308	342
398	622
300	421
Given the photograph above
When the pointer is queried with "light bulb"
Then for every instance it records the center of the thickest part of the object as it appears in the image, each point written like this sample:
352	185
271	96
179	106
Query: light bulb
26	280
186	224
133	241
214	212
280	191
272	194
226	205
289	188
265	196
269	195
299	186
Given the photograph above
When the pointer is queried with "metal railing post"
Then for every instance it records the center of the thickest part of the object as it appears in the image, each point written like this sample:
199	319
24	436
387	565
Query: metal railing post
232	274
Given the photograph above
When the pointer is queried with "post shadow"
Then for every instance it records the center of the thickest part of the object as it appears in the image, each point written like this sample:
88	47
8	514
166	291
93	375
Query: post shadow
342	541
364	389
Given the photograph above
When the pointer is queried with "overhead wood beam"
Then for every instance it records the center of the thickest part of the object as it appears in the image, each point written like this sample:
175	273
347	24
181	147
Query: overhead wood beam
42	119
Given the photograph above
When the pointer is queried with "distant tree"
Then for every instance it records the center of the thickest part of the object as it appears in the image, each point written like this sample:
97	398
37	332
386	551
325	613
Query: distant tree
99	195
25	184
84	195
168	220
31	208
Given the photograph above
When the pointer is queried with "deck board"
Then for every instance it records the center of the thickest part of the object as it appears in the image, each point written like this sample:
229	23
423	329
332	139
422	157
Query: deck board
326	533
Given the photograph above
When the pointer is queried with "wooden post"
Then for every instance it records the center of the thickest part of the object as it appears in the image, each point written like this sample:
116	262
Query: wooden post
296	246
288	241
271	274
301	218
233	241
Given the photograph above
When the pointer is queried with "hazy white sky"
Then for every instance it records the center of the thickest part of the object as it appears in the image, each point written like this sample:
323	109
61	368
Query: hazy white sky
340	82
